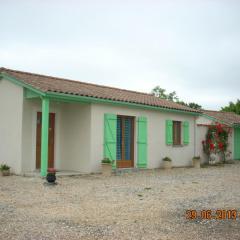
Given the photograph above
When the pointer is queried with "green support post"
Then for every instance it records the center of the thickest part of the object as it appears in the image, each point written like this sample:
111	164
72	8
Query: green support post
44	137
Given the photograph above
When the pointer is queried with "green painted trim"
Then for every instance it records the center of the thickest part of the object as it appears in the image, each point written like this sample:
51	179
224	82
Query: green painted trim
29	94
44	137
76	98
21	84
215	119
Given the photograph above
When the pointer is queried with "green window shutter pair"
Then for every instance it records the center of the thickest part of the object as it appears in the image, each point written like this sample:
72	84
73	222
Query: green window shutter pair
169	132
142	142
110	139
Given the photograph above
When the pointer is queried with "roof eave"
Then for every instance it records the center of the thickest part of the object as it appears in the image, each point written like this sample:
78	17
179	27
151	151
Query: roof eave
78	98
216	119
21	83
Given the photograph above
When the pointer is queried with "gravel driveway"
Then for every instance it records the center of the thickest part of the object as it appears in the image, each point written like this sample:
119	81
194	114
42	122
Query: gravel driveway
141	205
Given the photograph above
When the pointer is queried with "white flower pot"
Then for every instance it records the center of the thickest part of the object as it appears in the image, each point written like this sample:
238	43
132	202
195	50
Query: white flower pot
106	169
196	163
167	164
5	172
214	158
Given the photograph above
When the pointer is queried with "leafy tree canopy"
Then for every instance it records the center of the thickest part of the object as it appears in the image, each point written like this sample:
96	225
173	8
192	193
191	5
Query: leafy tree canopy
232	107
172	96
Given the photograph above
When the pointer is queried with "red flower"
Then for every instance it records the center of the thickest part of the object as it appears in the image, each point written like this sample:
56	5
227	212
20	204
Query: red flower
212	146
219	128
220	145
203	142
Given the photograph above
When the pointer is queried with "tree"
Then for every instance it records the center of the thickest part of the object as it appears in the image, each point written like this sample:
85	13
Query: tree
172	96
195	105
161	93
232	107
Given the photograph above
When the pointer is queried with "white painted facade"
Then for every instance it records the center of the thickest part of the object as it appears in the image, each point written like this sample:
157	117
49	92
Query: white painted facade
79	133
157	148
11	108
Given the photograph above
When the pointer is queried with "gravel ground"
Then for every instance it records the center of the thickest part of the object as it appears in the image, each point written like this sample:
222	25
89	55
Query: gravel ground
141	205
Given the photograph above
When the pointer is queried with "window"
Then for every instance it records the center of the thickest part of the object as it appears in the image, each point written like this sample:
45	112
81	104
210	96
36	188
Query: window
176	133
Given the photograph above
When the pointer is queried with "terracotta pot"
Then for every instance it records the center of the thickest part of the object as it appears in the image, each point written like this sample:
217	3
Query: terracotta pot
5	172
106	169
196	162
167	164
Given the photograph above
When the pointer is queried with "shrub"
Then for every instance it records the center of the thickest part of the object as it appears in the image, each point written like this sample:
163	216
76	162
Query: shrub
167	159
107	161
4	167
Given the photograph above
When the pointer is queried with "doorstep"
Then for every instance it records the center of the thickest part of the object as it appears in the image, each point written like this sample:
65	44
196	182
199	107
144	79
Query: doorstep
119	171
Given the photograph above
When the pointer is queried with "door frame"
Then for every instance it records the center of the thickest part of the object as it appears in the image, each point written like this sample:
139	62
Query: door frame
124	163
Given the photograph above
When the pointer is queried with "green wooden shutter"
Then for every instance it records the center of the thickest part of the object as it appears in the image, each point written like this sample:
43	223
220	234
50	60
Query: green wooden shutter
169	132
110	137
142	142
237	143
186	132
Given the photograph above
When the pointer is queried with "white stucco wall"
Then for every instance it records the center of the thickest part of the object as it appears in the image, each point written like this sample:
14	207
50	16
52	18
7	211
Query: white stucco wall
75	137
11	105
157	148
79	133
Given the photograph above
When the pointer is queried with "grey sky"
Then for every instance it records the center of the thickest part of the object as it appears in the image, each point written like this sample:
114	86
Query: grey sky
191	47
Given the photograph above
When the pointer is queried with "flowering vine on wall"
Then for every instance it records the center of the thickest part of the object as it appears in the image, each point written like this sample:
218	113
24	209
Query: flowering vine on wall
217	140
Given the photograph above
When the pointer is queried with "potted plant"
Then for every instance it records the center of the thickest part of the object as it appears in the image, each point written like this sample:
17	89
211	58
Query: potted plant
167	163
5	169
51	175
107	167
196	161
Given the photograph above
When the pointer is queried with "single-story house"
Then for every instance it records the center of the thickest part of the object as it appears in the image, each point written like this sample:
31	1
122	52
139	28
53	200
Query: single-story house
71	126
228	120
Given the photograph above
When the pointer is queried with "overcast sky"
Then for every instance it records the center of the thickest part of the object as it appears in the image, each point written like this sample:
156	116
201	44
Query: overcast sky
192	47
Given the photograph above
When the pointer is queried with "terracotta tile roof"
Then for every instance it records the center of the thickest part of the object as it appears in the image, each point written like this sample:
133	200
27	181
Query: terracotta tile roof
59	85
227	117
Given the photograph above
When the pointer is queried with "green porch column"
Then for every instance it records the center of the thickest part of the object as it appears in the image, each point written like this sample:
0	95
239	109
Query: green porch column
44	137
